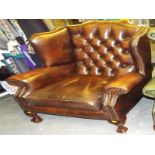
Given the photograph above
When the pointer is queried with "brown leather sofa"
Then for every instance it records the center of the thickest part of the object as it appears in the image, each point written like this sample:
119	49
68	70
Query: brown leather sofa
93	70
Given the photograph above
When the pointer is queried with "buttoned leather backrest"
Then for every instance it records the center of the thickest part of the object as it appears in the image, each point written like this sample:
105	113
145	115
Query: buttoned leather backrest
103	48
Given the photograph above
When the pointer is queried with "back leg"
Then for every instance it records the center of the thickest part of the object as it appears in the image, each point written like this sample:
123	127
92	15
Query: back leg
121	128
120	125
35	117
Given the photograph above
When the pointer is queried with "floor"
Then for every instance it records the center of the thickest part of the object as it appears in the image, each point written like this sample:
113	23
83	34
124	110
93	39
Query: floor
14	121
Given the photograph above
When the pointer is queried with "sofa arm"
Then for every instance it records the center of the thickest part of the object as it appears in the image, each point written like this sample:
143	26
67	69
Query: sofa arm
149	89
33	80
124	84
120	86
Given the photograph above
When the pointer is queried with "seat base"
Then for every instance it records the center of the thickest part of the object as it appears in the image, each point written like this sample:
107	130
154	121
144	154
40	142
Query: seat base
75	92
115	115
33	111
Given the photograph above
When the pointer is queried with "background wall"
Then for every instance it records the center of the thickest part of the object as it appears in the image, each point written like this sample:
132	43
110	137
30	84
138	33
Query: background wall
30	26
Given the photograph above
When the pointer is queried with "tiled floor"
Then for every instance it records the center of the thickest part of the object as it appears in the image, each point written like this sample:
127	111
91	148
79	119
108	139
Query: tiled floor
14	121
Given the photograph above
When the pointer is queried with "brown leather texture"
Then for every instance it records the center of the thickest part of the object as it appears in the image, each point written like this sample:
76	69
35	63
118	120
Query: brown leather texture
78	92
125	83
54	47
95	69
41	77
103	49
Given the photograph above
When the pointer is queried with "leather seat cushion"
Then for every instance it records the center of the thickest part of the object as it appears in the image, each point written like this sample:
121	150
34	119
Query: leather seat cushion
76	92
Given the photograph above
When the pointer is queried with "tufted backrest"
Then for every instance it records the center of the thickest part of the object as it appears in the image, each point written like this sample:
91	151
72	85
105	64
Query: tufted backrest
103	48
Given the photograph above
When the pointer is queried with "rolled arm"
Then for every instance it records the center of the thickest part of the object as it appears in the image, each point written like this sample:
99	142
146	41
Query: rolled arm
33	80
124	84
149	89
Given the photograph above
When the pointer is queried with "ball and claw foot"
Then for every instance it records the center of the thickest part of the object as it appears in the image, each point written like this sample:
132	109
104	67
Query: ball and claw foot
122	129
36	118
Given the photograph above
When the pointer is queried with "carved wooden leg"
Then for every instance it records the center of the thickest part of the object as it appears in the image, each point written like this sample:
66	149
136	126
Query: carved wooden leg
153	115
35	117
121	128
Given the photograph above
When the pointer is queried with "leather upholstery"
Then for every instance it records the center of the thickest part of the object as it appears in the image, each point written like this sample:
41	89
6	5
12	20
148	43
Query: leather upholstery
41	77
103	49
54	47
78	92
95	69
125	83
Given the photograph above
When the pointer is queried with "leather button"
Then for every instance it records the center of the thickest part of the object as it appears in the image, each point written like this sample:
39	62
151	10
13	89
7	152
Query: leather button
90	31
102	50
125	43
81	68
101	63
109	56
94	71
110	43
96	42
95	56
79	41
117	51
80	55
89	49
115	64
89	63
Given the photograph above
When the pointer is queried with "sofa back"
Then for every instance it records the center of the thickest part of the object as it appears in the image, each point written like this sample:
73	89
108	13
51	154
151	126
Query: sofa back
103	48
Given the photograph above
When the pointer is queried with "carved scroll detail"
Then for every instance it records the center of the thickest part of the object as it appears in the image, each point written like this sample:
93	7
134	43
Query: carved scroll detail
110	97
